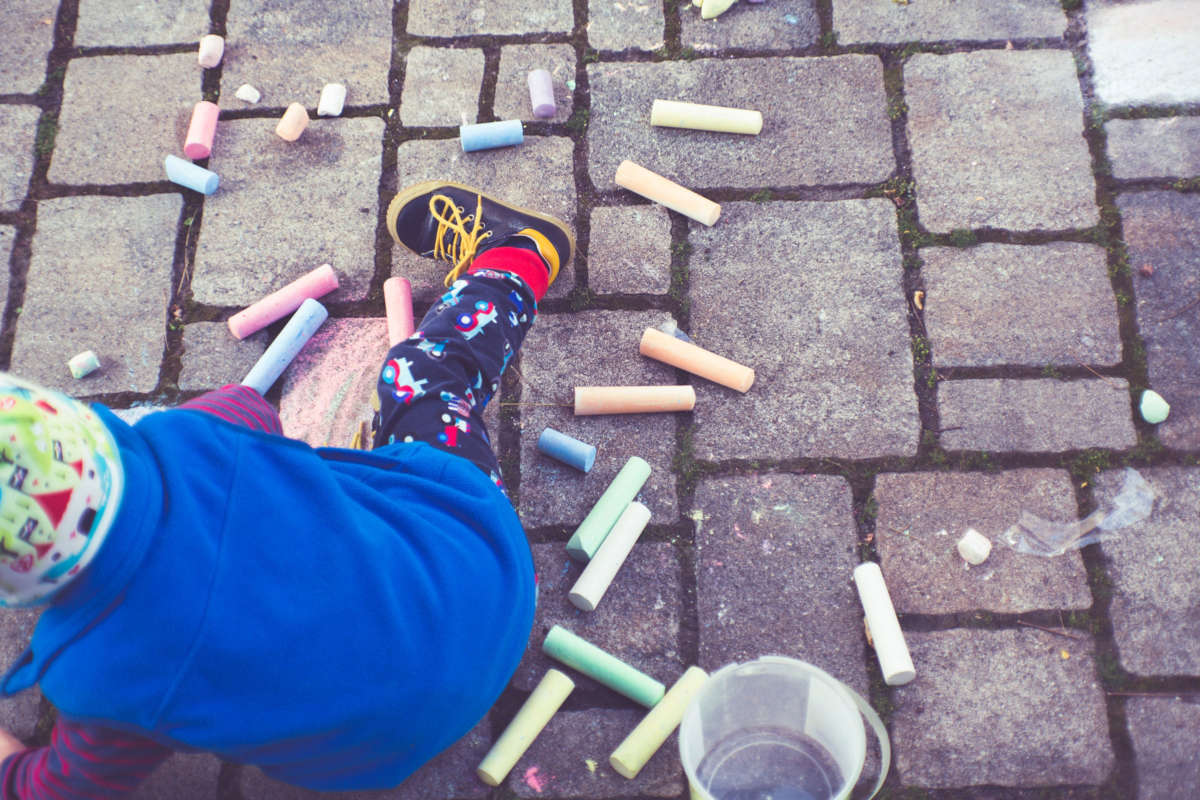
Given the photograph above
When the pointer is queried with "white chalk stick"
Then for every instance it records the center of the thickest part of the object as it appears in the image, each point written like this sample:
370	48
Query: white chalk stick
598	575
653	186
333	99
248	93
644	740
676	114
890	648
212	47
535	712
974	547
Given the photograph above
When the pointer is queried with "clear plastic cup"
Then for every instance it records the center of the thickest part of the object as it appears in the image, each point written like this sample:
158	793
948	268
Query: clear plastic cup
772	729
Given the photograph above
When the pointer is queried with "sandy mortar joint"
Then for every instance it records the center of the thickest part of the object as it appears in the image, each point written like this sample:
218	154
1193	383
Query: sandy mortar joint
696	360
287	344
333	100
397	303
653	186
644	740
890	648
190	176
620	493
598	575
212	48
541	94
278	304
694	116
592	400
535	713
292	123
567	449
489	135
602	666
83	364
201	129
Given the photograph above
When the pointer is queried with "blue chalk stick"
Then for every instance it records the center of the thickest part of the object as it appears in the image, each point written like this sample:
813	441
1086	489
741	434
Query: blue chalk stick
487	135
287	344
567	449
191	176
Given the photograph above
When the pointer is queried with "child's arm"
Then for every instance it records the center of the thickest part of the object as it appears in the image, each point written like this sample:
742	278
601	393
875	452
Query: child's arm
84	762
240	405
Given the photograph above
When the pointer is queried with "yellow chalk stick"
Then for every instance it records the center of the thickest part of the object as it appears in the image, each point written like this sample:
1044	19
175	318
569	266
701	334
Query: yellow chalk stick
550	693
676	114
632	399
653	186
696	360
644	740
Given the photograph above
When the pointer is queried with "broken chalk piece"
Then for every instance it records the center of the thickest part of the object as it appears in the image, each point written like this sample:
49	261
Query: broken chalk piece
974	547
487	135
653	186
602	666
676	114
203	126
890	648
248	93
292	123
714	8
598	575
189	175
287	344
535	713
212	47
333	99
588	537
278	304
567	449
83	364
590	400
644	740
397	303
1153	407
541	94
696	360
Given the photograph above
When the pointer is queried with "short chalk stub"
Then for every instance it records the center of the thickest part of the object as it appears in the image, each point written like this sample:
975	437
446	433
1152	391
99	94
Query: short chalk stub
333	99
591	586
248	93
190	176
201	130
292	123
644	740
541	94
488	135
83	364
287	344
212	48
895	662
1153	407
601	666
974	547
567	449
552	690
278	304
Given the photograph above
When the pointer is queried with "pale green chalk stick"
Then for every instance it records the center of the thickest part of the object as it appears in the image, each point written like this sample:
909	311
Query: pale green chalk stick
550	693
644	740
604	667
595	526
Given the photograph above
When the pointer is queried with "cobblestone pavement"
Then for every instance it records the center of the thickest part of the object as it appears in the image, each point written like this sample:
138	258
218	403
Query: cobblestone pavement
966	240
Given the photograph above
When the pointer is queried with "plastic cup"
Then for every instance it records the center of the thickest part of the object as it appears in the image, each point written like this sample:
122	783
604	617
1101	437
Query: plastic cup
774	727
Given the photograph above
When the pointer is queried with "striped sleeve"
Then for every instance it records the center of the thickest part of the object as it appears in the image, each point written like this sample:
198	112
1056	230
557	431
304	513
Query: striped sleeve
82	762
240	405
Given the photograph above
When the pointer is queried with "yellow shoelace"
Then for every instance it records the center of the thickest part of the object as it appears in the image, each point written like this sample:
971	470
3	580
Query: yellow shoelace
461	249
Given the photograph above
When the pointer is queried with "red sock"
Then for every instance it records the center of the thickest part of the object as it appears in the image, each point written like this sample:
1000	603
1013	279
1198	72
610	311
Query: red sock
525	264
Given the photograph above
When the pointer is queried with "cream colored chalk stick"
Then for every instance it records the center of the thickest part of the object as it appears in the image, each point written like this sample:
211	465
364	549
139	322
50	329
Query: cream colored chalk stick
890	647
292	123
591	585
653	186
632	399
676	114
644	740
696	360
550	693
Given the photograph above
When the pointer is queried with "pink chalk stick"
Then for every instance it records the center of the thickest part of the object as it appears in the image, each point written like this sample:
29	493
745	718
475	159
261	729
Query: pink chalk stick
279	304
200	132
397	299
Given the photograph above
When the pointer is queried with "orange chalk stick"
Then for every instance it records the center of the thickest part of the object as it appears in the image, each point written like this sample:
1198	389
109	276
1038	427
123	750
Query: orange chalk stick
632	399
655	187
397	299
696	360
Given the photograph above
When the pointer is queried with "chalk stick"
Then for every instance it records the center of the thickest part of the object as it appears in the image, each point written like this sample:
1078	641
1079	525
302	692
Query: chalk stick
602	666
198	143
974	547
894	659
541	94
696	360
487	135
653	186
248	93
333	99
590	587
533	716
287	344
83	364
189	175
599	521
567	449
278	304
212	47
675	114
397	302
292	123
644	740
590	400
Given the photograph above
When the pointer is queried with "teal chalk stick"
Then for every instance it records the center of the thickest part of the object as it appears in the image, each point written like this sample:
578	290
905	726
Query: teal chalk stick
604	667
595	526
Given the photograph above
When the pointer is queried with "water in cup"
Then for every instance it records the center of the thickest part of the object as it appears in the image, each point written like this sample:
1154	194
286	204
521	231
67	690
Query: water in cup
769	763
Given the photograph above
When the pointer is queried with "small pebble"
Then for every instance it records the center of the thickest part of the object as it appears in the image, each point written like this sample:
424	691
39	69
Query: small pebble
248	93
1153	407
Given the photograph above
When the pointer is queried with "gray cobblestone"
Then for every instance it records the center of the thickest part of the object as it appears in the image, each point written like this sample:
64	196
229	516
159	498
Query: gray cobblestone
1036	416
934	20
630	249
115	23
213	358
18	135
1151	148
512	85
632	24
780	25
19	713
1160	728
997	141
29	36
1144	52
466	17
441	85
183	776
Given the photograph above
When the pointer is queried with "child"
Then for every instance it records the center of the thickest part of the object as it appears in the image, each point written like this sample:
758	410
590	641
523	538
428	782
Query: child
335	617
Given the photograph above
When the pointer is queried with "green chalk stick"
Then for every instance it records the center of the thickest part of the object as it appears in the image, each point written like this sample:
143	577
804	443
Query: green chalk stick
604	667
595	526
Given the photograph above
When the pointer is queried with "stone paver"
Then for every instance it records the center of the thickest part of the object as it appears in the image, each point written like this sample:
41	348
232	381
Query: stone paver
466	17
1162	232
1155	610
99	279
213	358
625	25
259	233
1151	148
592	348
87	148
940	20
774	558
183	776
18	714
512	84
1038	416
116	23
29	36
630	250
18	135
441	86
842	136
830	350
1000	707
780	25
988	305
922	516
1161	728
289	49
997	141
1145	52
